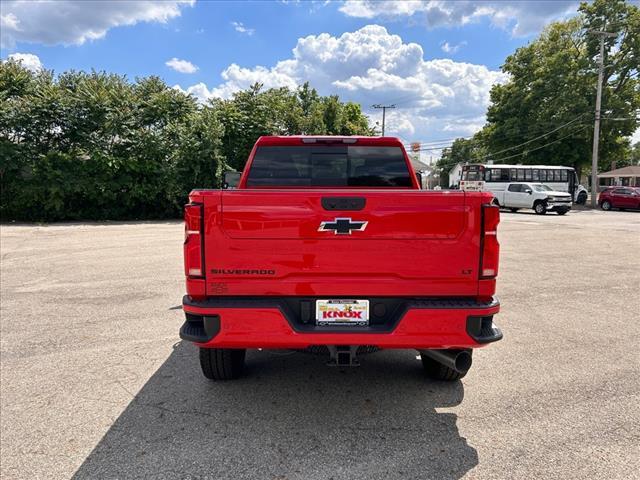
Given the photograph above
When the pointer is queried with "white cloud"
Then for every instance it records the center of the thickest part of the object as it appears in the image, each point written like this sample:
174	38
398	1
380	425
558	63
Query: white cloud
635	138
182	66
9	21
398	123
521	17
435	98
28	60
239	27
200	91
448	48
75	22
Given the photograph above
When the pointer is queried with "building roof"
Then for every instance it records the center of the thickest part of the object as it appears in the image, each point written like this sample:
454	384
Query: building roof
419	165
631	171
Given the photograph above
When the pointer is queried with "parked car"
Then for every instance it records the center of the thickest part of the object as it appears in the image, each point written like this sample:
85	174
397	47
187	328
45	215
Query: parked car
536	196
619	197
316	248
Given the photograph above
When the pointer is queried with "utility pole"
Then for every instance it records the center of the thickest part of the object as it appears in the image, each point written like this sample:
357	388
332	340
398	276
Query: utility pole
596	126
384	111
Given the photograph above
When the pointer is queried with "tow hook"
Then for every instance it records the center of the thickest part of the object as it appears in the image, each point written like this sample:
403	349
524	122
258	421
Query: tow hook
343	356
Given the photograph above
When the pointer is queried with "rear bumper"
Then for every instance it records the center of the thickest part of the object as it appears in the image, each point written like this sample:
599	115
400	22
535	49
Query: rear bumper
270	322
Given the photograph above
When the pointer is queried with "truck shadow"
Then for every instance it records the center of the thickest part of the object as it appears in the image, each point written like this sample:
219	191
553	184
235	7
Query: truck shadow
290	417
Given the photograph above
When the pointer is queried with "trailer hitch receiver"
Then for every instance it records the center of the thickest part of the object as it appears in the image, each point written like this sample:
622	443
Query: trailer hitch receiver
343	356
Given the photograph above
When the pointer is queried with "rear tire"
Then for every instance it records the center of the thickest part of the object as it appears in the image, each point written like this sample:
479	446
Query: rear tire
606	205
540	208
438	371
222	363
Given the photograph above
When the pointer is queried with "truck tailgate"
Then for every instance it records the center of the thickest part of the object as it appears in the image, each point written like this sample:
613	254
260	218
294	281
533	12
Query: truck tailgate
342	242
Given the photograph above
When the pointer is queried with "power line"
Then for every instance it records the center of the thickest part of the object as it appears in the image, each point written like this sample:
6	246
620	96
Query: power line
537	148
440	148
445	142
412	99
619	119
442	140
538	137
434	149
442	144
407	98
435	145
450	164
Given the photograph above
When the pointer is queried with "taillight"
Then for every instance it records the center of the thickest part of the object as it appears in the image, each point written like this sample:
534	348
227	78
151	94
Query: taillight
193	249
490	245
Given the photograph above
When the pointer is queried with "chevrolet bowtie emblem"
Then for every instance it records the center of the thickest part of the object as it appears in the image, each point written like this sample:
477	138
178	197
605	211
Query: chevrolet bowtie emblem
342	226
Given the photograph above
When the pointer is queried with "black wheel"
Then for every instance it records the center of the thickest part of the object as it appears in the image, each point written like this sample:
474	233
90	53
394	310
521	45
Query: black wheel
582	198
222	363
562	212
438	371
606	205
540	208
514	210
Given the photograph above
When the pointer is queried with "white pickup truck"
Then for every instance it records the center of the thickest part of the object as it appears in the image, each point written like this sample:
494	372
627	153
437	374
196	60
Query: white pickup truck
535	196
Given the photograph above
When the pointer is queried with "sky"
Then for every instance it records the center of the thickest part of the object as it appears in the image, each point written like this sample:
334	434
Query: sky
436	61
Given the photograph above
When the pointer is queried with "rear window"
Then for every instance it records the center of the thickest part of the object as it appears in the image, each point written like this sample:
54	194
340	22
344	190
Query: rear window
473	173
323	166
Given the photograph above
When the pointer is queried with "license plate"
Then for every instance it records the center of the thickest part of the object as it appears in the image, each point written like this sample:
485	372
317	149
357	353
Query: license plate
342	312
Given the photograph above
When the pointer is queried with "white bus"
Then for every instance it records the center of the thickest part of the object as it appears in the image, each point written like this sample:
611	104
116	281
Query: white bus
495	178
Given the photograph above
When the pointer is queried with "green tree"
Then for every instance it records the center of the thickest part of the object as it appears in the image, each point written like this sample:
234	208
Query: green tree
312	111
332	114
461	151
246	117
552	86
354	122
96	146
255	112
92	145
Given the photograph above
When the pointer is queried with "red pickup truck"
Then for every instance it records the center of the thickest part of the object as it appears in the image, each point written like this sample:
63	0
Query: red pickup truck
329	244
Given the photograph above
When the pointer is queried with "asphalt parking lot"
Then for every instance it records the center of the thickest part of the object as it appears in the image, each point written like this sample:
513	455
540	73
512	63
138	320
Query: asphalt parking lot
95	382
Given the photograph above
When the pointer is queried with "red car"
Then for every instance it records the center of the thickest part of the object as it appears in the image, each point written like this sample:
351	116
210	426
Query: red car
328	244
619	197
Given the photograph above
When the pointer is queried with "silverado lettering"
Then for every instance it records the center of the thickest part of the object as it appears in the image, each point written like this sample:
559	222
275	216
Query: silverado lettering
231	271
352	253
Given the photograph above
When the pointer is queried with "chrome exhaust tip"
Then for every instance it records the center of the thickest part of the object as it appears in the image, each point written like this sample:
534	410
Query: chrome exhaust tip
458	360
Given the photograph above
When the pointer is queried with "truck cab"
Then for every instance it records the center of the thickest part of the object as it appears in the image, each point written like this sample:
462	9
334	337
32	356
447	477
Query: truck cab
328	244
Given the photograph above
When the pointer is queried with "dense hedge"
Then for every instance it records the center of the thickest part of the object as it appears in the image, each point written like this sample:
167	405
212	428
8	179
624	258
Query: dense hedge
91	146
